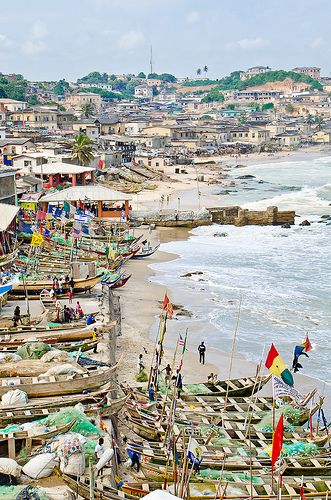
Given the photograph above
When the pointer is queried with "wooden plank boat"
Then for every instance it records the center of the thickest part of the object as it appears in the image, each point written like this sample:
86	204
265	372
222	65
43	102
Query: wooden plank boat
145	252
12	442
58	385
53	335
102	406
123	281
245	386
82	488
35	287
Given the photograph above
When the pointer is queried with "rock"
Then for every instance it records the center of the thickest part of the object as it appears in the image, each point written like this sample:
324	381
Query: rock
246	177
286	226
220	235
305	223
188	275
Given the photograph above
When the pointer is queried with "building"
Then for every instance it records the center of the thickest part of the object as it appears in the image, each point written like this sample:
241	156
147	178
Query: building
61	173
321	136
7	186
13	146
256	70
11	105
309	71
251	135
39	117
110	203
78	100
143	92
103	86
288	139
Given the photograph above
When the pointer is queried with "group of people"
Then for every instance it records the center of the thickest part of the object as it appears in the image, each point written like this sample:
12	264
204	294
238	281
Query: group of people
60	285
70	314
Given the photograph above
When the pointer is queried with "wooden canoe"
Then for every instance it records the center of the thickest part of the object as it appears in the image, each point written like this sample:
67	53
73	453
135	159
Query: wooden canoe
37	387
35	287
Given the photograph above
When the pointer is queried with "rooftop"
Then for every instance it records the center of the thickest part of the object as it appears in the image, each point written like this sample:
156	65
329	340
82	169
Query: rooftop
8	213
60	168
81	193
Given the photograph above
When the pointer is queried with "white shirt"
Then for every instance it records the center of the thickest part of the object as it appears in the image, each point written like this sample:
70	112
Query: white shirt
99	450
139	363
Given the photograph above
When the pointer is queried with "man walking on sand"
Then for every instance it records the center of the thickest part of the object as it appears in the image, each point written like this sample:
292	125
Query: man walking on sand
202	352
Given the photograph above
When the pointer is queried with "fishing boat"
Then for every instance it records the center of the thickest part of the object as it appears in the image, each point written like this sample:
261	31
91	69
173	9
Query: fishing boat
35	287
48	335
82	488
100	404
58	384
82	345
146	252
12	442
120	283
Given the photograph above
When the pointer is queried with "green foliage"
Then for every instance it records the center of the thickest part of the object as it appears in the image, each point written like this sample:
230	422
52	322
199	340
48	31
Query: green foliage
231	107
82	149
33	100
197	83
267	105
106	94
94	77
141	75
253	105
60	87
165	77
207	117
13	89
88	109
213	96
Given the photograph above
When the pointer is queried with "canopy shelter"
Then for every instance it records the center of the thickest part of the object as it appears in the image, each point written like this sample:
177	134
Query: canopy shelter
59	172
103	201
8	214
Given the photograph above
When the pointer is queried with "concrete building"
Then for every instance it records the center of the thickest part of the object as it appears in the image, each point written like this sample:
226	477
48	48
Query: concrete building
78	100
11	105
37	117
309	71
256	70
143	92
7	186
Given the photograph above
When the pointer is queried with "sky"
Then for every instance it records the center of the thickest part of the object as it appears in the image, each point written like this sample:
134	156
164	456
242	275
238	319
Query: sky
49	40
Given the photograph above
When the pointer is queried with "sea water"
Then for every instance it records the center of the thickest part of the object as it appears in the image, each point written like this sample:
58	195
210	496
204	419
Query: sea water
281	277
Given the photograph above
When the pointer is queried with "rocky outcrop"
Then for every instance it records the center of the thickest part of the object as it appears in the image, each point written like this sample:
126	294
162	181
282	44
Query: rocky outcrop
243	217
168	218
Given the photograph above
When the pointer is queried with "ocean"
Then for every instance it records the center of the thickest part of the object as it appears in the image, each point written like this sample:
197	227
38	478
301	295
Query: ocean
280	276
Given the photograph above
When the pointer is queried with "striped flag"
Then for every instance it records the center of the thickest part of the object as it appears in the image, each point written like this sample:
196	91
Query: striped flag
77	229
181	342
80	217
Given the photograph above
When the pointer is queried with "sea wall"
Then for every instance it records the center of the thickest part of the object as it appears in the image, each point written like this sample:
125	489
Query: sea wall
172	218
243	217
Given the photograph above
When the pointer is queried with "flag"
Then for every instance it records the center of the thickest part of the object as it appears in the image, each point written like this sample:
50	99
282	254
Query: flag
58	212
169	310
277	441
302	493
41	215
77	229
181	342
80	217
165	301
280	389
276	366
299	350
36	240
66	206
194	451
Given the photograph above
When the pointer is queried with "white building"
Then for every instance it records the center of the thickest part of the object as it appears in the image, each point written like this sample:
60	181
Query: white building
143	92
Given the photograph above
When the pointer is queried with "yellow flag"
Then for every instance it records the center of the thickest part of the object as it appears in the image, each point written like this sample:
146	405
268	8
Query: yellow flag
36	240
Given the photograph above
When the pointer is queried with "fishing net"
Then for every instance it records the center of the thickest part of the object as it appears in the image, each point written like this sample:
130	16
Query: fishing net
89	449
20	492
229	477
197	388
83	425
300	448
292	415
33	350
266	424
142	376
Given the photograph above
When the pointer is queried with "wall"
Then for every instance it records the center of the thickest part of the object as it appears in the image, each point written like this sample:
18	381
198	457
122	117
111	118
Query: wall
243	217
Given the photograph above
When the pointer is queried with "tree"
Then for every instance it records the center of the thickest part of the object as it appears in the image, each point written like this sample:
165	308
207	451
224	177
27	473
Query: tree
289	108
231	107
242	118
268	105
319	122
205	69
82	149
213	96
141	75
60	87
33	100
199	71
88	109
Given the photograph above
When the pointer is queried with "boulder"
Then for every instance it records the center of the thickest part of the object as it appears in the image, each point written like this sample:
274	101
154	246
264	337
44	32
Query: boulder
305	223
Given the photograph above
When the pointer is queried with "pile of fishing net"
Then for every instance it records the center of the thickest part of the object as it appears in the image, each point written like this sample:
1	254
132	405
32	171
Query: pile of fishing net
292	414
197	388
33	350
82	425
300	448
266	424
214	474
141	376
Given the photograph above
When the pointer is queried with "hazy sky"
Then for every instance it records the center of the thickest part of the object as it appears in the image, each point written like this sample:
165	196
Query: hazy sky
47	40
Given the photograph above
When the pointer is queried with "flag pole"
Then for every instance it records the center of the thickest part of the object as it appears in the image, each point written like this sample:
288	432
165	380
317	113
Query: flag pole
232	352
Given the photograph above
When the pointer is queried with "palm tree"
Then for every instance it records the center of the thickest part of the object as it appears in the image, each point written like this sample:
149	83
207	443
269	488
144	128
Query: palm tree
205	69
82	149
88	109
319	122
199	71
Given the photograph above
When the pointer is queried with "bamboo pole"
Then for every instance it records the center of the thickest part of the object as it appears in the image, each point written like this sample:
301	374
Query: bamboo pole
232	352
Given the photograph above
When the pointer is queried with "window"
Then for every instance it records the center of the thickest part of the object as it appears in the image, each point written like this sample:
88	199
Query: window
157	164
27	163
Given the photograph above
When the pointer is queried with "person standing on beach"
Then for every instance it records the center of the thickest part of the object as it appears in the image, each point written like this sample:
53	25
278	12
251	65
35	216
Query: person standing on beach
140	364
202	352
167	378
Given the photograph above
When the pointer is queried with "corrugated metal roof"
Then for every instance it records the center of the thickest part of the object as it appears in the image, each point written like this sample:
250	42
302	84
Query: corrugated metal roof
92	193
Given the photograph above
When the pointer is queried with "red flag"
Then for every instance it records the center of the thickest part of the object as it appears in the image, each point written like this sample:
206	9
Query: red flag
169	309
41	215
308	346
302	494
277	441
165	301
